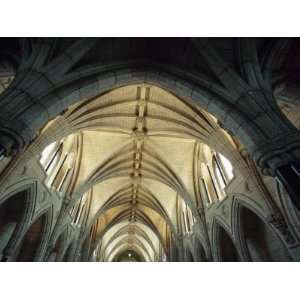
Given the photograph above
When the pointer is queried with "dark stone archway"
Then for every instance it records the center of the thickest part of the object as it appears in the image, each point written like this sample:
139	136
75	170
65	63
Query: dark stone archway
227	249
31	242
12	213
262	243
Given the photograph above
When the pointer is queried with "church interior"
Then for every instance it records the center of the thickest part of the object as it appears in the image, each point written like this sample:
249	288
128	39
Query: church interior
149	149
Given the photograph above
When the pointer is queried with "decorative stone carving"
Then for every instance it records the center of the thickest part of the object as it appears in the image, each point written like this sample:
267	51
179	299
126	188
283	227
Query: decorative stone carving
279	223
225	210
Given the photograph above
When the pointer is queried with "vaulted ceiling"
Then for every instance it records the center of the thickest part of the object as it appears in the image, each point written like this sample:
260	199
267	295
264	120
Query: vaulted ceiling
140	150
139	146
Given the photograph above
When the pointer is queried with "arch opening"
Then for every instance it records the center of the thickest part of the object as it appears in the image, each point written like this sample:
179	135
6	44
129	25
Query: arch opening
31	242
12	212
262	243
227	249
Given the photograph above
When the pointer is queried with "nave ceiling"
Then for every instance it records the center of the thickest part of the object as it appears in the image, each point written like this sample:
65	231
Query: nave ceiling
127	140
139	150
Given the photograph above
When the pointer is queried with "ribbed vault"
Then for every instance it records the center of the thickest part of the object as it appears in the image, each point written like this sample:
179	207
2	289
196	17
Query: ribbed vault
138	149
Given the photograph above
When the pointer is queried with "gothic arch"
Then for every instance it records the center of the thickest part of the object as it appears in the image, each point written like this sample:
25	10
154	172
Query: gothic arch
124	243
260	209
33	241
124	216
83	96
123	231
167	79
11	214
46	233
218	104
224	245
17	205
260	242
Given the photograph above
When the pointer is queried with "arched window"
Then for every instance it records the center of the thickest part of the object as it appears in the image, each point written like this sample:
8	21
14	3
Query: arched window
190	219
49	155
223	173
187	218
219	174
216	173
61	172
50	159
58	161
225	166
204	191
79	210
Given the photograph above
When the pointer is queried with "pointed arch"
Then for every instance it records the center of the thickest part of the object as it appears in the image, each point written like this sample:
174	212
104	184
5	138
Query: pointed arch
16	210
31	246
260	241
47	214
223	243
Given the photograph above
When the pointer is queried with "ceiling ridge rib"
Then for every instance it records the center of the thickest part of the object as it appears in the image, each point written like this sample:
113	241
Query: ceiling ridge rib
138	133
